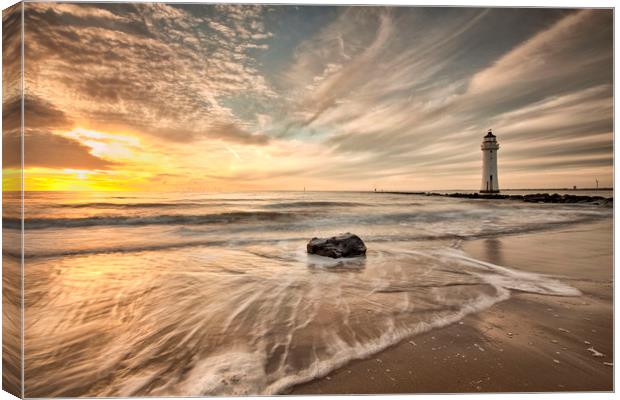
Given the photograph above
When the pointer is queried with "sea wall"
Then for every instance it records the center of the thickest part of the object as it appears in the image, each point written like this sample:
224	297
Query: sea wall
530	198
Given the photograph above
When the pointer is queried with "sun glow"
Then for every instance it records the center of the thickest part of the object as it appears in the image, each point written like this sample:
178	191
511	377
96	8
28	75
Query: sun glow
66	179
79	173
111	146
132	165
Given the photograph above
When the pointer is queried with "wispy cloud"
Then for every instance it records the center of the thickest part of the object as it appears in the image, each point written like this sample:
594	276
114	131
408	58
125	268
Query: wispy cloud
347	97
418	103
51	151
152	68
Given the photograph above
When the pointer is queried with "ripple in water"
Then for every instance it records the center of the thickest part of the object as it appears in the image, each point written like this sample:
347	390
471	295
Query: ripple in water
213	294
232	321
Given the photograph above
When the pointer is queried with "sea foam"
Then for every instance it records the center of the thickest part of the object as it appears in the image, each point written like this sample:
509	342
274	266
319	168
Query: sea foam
145	301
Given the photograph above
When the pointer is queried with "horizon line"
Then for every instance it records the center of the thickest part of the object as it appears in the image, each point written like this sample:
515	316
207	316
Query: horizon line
314	191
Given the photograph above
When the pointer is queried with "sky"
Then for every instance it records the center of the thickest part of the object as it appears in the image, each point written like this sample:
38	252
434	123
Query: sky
241	97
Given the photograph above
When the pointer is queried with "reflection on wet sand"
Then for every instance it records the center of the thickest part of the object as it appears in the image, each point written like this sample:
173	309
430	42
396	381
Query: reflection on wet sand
493	251
222	298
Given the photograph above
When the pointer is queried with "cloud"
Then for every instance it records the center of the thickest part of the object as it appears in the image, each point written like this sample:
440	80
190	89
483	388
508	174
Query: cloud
338	81
11	51
38	114
11	83
549	56
235	133
344	97
49	151
41	147
160	69
430	84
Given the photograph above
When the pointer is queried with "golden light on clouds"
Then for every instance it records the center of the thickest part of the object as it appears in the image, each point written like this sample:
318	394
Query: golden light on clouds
131	165
112	146
179	97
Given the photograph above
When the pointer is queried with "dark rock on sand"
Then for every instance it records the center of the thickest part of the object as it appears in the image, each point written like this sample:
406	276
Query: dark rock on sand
345	245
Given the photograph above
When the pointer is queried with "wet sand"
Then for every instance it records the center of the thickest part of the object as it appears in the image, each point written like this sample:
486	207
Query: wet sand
529	343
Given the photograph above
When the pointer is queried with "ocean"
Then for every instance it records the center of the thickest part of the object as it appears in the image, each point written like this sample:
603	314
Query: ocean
182	294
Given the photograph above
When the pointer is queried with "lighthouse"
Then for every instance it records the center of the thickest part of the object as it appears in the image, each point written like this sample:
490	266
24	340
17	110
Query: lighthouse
489	147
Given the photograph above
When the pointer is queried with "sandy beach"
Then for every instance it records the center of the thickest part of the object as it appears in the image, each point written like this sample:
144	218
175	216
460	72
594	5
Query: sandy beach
511	295
528	343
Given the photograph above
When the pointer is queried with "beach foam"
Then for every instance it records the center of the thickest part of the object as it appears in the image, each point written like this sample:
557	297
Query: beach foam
224	300
240	322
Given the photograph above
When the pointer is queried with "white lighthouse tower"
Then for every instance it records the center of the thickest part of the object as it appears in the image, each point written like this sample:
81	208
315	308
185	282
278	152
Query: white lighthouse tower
489	147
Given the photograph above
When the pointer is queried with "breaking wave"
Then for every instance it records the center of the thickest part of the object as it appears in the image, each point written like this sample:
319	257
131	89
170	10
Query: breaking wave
130	205
272	321
316	217
315	204
157	297
227	217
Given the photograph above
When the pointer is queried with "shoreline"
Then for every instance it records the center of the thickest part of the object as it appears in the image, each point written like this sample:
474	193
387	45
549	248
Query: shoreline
528	343
528	198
